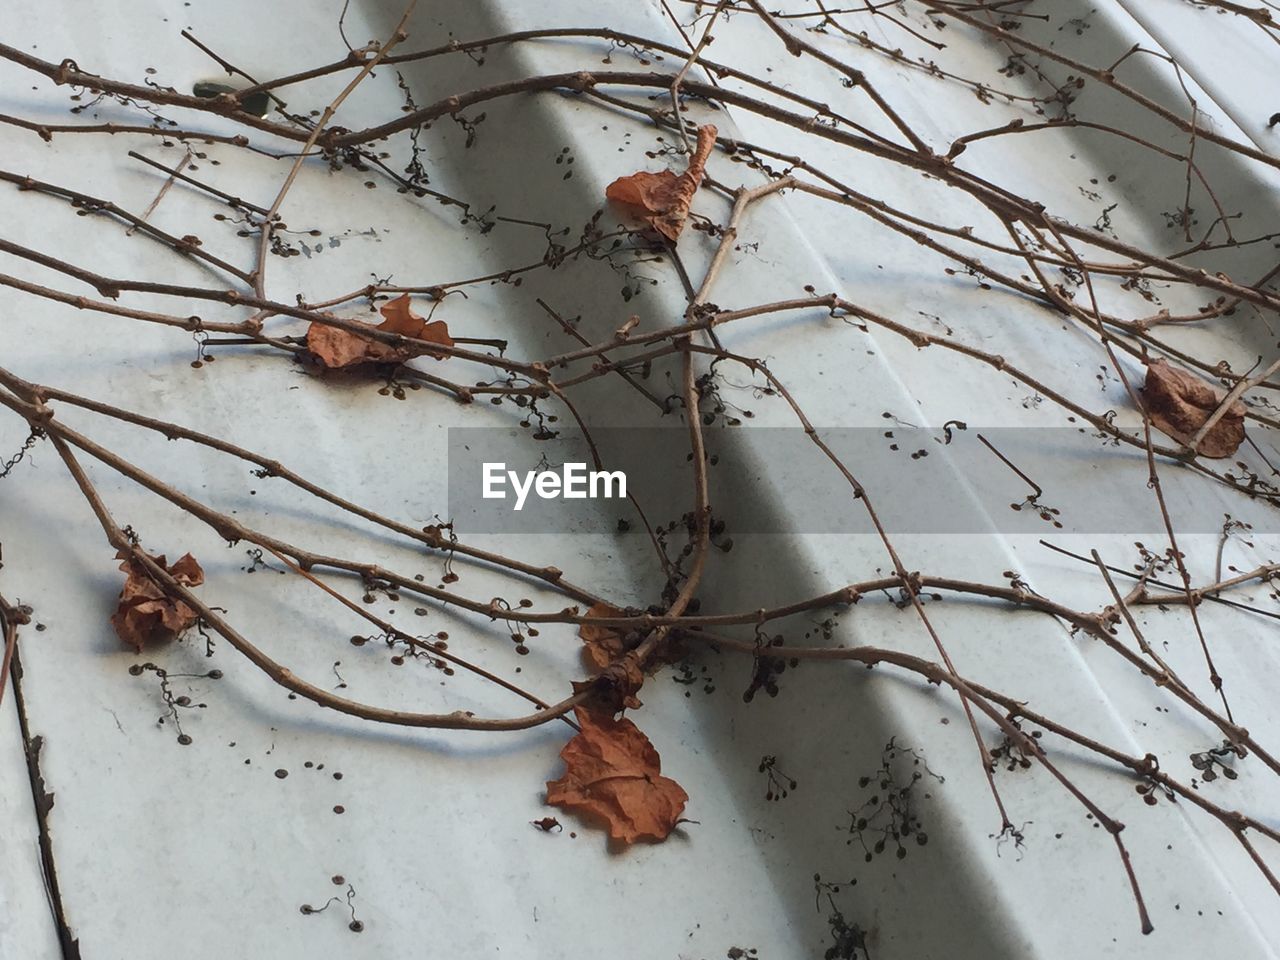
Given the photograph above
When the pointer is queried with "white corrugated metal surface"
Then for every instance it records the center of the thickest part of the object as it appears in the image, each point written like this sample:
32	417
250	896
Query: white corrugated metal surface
425	839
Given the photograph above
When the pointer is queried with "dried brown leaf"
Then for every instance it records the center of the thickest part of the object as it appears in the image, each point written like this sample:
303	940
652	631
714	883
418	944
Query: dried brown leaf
663	199
336	348
1180	403
601	645
605	650
144	613
613	773
625	678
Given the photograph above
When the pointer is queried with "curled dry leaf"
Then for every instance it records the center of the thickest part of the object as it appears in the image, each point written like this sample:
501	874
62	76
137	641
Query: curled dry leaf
616	686
625	678
336	348
605	646
663	199
601	645
145	614
1180	403
613	773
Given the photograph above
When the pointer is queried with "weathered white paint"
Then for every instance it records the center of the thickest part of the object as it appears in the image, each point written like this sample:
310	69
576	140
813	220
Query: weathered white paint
202	852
